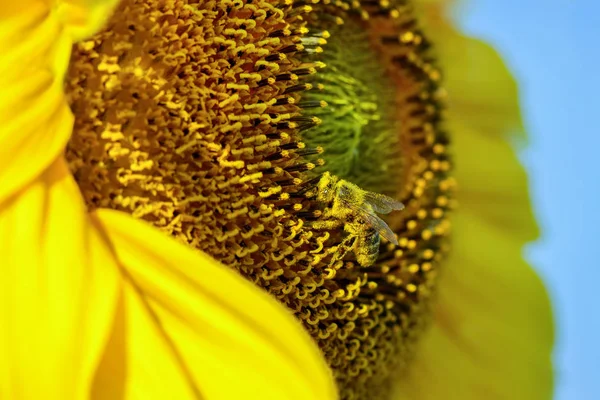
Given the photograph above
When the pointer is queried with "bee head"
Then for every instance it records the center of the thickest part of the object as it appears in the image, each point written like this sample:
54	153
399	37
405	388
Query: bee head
326	187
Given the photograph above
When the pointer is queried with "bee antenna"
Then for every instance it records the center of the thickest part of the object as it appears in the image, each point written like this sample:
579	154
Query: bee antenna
309	184
313	181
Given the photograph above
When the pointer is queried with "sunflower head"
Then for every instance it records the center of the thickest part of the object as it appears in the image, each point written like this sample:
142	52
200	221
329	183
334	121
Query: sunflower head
223	122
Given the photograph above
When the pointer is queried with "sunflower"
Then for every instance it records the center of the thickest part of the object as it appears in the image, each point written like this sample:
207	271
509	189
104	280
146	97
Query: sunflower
305	158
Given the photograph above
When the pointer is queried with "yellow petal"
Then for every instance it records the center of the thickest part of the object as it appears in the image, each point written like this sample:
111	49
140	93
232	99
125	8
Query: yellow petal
493	184
484	120
492	333
190	328
57	291
481	91
178	325
36	39
82	18
36	121
158	322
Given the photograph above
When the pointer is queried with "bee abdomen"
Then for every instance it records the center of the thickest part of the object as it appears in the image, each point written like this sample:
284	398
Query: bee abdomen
367	248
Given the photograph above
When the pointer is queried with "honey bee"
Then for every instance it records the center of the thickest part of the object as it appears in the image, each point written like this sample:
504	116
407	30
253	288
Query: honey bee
354	209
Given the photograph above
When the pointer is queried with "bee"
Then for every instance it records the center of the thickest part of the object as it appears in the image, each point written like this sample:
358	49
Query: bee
355	209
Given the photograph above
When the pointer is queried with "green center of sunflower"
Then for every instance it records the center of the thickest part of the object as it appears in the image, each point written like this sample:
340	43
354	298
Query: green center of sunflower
220	122
359	130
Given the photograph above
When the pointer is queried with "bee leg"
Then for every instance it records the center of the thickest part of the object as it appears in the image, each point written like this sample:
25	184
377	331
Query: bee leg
327	214
327	224
366	245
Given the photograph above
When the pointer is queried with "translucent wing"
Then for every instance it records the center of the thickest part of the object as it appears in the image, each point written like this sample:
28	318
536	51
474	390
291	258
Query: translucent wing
365	213
381	203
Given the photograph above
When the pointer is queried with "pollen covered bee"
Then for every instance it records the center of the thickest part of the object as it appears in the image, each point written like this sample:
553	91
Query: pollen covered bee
355	209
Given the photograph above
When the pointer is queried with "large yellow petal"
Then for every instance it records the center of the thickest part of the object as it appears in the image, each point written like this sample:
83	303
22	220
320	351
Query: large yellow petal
177	324
190	328
57	291
492	332
482	92
484	119
36	39
492	183
36	121
83	18
105	306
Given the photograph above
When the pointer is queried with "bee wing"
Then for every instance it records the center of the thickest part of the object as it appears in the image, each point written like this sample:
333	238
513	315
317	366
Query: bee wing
373	220
381	203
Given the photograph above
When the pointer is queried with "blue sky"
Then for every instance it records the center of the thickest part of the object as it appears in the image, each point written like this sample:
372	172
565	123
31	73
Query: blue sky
552	48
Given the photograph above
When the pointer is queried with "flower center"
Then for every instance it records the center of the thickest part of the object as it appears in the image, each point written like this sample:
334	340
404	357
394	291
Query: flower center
359	130
226	123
